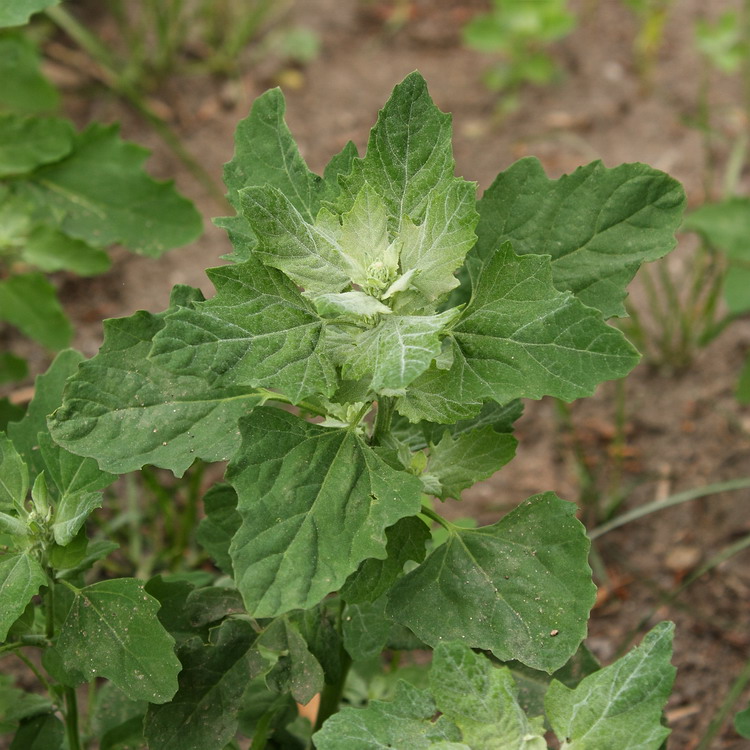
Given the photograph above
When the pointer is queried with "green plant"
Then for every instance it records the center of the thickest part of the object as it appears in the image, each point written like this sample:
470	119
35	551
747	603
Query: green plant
519	32
652	17
397	383
65	197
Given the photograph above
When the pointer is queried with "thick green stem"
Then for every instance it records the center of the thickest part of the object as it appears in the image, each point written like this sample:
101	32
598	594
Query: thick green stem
436	517
71	719
330	698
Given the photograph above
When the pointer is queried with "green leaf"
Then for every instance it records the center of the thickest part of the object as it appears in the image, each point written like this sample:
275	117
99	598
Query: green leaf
458	462
406	541
117	720
396	351
257	331
14	476
17	12
45	732
598	224
29	142
742	723
222	520
25	90
126	411
265	153
357	304
743	383
520	588
315	502
112	631
18	704
520	338
404	722
172	595
366	629
482	700
50	250
12	368
29	302
104	196
213	603
20	579
203	713
9	413
620	705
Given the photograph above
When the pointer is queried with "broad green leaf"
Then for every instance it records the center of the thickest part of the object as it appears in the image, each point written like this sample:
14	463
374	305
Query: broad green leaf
25	90
457	462
396	351
29	302
315	502
482	700
222	520
210	604
265	153
126	411
620	705
45	732
306	253
12	368
598	224
50	250
112	631
95	551
77	482
520	338
14	476
172	595
20	579
257	331
406	541
29	142
104	196
18	12
404	722
520	588
203	713
117	720
365	629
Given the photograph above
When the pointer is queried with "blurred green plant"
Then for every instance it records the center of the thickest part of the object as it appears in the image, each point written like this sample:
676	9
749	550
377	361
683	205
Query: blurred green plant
519	33
652	19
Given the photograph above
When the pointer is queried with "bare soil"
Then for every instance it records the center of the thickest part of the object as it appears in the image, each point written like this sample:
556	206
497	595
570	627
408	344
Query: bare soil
677	431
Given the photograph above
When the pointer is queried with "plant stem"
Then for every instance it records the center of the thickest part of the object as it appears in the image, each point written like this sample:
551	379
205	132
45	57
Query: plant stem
383	419
431	514
71	719
720	717
680	497
330	698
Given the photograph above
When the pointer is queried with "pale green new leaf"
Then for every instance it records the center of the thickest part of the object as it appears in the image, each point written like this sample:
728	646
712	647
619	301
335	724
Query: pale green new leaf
597	224
482	700
25	90
521	338
357	304
20	579
50	250
315	502
404	722
457	462
256	331
14	476
203	713
126	411
520	588
620	705
29	142
101	195
18	12
396	351
29	302
112	631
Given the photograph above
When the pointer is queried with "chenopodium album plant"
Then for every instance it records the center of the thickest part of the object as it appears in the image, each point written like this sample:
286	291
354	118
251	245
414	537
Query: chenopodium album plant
342	301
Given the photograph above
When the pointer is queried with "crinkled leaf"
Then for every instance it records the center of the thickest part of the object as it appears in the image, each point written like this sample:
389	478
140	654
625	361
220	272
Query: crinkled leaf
18	12
103	196
14	476
25	90
315	502
520	338
404	722
256	331
598	224
125	410
112	631
457	462
520	588
20	579
396	351
406	541
356	304
29	142
203	713
482	700
45	732
29	302
50	250
620	705
222	520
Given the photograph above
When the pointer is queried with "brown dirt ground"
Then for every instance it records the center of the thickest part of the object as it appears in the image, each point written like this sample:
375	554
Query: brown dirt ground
681	431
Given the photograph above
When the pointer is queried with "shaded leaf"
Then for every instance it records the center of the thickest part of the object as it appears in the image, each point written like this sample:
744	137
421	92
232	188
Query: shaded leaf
25	90
20	579
222	520
45	732
29	142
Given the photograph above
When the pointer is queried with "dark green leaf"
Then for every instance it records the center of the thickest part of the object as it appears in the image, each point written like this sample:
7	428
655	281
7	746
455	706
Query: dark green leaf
366	629
222	520
11	368
29	142
208	605
45	732
117	719
25	90
172	595
742	723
